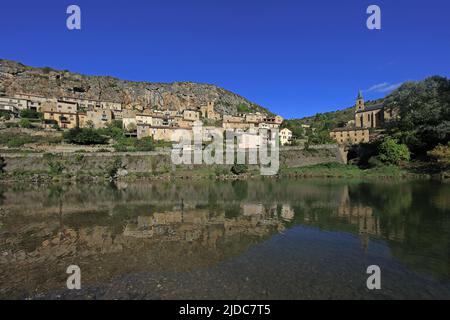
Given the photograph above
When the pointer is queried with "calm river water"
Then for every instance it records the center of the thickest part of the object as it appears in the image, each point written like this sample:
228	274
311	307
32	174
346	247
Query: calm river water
259	239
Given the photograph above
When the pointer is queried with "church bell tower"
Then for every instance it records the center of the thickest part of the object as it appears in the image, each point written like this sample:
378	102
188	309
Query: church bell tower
360	102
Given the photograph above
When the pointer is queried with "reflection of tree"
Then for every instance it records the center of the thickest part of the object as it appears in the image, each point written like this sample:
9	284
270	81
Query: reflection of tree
2	195
410	213
240	189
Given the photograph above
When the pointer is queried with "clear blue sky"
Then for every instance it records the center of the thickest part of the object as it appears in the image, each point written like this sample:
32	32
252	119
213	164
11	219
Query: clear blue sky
295	57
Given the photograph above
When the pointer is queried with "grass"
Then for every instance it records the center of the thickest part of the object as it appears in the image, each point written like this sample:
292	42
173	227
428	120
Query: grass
337	170
16	140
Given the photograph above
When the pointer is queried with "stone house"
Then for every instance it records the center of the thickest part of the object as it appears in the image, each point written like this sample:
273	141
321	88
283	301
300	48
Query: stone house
159	133
207	112
34	102
191	115
64	114
285	136
99	118
350	135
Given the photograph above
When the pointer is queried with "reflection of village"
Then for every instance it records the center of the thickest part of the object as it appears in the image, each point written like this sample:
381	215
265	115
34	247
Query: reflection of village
175	234
194	221
199	225
187	223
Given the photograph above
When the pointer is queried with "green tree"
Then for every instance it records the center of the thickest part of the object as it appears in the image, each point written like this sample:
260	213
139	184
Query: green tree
424	113
30	114
25	123
239	169
84	137
392	152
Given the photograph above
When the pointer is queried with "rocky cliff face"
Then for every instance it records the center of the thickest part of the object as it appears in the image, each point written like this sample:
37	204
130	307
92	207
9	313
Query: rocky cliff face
18	78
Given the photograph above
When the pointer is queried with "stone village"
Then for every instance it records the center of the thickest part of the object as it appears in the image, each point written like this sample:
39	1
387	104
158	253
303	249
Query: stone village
70	112
76	112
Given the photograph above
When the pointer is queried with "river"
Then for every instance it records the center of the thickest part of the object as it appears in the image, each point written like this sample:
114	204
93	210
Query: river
256	239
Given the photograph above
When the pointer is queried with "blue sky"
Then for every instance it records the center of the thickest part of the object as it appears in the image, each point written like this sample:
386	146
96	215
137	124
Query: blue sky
294	57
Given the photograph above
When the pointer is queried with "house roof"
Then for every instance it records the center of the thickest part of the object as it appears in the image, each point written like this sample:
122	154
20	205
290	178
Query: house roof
348	129
371	108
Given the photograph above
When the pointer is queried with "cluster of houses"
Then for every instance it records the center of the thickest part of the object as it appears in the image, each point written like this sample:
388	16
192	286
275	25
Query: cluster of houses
69	112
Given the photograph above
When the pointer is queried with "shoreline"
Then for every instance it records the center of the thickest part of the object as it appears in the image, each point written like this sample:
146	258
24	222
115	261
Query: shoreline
328	171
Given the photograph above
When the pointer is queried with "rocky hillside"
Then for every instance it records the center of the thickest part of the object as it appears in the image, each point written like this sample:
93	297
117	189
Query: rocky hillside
16	77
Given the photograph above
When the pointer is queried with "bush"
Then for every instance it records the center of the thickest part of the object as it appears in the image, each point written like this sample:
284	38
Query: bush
5	115
441	153
374	162
221	171
30	114
55	167
2	164
113	168
392	152
84	137
12	124
239	169
25	123
145	144
19	141
113	130
132	144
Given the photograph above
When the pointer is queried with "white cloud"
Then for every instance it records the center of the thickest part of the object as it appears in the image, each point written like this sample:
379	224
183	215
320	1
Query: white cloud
383	87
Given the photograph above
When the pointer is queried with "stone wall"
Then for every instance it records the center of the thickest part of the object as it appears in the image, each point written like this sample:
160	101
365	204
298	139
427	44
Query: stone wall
147	162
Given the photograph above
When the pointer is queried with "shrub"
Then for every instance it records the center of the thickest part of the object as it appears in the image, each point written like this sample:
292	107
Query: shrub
441	153
392	152
25	123
2	164
5	115
239	169
84	137
19	140
30	114
55	167
132	144
113	168
374	162
113	130
243	108
221	171
12	124
145	144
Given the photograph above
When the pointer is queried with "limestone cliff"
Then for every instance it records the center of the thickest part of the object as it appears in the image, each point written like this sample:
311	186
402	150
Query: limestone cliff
18	78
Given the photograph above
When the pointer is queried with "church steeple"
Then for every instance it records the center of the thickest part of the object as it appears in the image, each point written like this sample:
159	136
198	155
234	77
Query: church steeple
360	96
360	102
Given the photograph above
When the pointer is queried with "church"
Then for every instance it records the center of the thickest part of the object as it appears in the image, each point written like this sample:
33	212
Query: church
373	116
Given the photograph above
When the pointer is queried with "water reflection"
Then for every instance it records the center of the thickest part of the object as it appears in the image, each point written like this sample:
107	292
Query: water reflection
161	227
